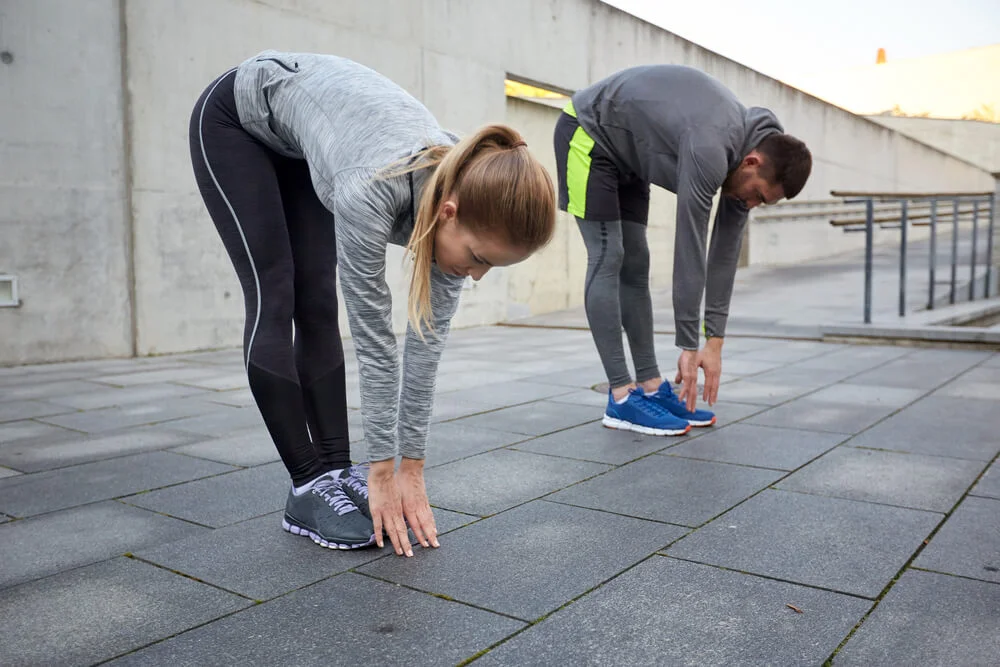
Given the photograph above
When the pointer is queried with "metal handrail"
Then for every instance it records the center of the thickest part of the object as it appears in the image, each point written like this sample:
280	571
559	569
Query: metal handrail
980	202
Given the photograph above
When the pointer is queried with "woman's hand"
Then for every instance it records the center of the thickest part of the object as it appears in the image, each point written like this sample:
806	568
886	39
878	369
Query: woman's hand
416	507
386	506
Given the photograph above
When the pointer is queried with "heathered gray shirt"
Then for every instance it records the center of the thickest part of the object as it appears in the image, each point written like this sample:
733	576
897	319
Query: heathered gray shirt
678	128
348	122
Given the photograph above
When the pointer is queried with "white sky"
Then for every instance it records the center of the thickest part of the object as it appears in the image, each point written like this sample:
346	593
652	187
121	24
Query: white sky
782	38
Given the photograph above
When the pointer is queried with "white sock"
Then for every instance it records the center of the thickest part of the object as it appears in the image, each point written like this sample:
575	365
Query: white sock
621	400
299	490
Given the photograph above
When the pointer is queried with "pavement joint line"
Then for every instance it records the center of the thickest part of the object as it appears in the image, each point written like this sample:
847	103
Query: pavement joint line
916	554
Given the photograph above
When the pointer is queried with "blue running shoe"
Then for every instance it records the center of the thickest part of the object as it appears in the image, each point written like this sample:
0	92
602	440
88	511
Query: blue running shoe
642	415
669	401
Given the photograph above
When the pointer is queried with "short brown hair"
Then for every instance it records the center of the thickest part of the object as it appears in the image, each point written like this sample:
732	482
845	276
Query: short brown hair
789	160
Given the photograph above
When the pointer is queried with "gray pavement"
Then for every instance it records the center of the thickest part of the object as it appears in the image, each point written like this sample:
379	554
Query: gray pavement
846	505
847	502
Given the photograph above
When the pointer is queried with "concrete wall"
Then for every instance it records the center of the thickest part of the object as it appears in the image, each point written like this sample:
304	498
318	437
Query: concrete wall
63	218
973	140
447	52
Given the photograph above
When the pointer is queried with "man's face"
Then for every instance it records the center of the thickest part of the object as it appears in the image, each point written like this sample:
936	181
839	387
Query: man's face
748	183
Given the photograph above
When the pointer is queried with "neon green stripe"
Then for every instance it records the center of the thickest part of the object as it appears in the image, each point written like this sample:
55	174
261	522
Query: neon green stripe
568	109
578	172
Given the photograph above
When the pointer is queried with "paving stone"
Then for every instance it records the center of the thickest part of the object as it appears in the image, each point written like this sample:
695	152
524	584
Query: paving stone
511	393
750	390
939	426
221	381
853	359
788	352
762	446
908	480
968	543
50	390
929	619
531	549
27	495
669	489
44	545
965	389
17	410
181	373
220	421
582	377
110	419
497	480
582	397
71	448
251	447
536	418
452	405
921	369
13	432
451	441
861	394
594	442
814	415
842	545
670	612
739	366
117	606
222	500
809	379
242	558
101	396
7	472
237	398
989	483
387	625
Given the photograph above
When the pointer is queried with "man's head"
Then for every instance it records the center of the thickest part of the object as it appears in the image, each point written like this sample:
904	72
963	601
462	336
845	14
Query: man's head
777	168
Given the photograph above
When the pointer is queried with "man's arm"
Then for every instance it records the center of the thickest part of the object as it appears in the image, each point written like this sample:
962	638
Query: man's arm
701	171
723	256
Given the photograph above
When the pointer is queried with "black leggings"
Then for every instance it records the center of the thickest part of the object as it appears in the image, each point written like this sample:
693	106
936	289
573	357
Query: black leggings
281	241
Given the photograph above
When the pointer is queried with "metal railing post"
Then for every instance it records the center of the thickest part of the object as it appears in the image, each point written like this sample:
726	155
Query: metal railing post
933	257
954	250
902	259
989	244
972	271
869	222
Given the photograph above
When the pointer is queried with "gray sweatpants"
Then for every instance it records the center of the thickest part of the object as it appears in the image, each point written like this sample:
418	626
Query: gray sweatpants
616	294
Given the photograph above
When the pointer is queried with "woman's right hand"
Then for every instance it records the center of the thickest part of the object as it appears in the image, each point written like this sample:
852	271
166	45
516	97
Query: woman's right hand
387	506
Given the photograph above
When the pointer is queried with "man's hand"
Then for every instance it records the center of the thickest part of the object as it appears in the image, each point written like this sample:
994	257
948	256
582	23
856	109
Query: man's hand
416	507
387	506
709	359
687	377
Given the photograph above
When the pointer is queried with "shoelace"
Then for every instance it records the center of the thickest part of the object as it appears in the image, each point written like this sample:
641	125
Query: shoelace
644	405
667	390
330	490
356	481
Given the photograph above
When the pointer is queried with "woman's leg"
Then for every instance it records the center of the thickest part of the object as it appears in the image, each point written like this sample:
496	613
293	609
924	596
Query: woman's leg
319	352
239	183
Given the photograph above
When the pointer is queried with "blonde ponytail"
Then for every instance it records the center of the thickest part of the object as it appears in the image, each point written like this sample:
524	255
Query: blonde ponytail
502	191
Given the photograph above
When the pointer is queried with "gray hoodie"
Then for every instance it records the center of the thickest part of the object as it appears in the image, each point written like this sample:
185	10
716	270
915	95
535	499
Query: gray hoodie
349	123
678	128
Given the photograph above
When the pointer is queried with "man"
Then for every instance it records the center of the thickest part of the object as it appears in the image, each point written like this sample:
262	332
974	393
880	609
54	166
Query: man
678	128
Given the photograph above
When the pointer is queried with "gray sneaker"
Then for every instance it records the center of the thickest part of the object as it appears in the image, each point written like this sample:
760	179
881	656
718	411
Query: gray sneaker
355	481
327	515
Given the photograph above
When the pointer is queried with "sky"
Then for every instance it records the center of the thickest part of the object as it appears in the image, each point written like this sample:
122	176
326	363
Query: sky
785	38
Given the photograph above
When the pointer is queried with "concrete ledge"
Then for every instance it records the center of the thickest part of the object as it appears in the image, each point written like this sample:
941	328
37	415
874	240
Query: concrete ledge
977	336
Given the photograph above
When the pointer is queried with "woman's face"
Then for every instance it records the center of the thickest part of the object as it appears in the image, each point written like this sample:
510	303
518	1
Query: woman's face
461	252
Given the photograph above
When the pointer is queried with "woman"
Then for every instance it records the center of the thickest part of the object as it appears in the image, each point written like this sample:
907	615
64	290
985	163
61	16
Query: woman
307	162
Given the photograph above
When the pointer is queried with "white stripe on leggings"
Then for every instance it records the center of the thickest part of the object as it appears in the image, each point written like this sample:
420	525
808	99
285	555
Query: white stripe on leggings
253	267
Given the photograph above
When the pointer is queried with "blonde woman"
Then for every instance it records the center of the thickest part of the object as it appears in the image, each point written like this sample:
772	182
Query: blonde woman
312	162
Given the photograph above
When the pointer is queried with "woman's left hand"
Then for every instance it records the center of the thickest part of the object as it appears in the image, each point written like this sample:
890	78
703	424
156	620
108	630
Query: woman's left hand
416	507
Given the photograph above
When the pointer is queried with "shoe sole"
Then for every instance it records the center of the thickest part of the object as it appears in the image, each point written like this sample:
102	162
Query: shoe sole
710	422
295	529
622	425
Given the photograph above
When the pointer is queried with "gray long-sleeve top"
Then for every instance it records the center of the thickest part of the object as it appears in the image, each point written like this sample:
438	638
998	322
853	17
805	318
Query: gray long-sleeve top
679	128
349	122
